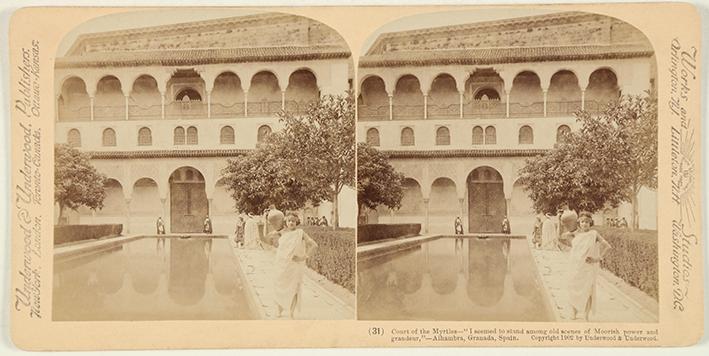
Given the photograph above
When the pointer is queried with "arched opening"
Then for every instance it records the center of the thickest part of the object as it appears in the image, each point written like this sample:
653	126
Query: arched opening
226	135
443	206
443	136
478	135
145	137
222	202
411	200
145	206
188	200
178	137
490	135
109	102
562	133
486	200
526	135
227	96
373	137
564	95
443	98
74	102
408	99
264	94
108	138
602	89
73	138
482	95
407	137
373	100
522	214
526	95
263	133
186	90
114	204
145	99
302	91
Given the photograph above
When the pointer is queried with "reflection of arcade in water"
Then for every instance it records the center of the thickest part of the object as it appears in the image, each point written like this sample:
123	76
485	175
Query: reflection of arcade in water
453	279
151	279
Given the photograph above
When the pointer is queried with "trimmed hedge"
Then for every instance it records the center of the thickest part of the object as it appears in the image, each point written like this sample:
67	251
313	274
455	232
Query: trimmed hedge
633	257
335	256
74	233
376	232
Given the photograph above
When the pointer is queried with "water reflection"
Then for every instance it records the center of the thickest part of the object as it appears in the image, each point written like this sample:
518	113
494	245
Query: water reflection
151	279
453	279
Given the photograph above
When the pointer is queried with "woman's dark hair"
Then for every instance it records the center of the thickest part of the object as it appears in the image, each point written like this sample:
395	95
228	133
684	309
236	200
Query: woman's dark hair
297	219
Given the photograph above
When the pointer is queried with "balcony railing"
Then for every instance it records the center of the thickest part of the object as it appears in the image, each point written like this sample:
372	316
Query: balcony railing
407	112
527	109
373	112
484	109
264	108
562	108
82	113
443	111
193	109
142	112
225	111
110	112
298	107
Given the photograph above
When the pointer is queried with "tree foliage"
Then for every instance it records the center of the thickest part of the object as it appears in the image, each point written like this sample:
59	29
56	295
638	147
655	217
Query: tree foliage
377	181
606	162
76	181
310	160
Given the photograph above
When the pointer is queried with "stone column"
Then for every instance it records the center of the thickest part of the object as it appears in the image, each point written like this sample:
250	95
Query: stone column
283	99
425	105
391	107
127	97
545	101
162	106
461	95
56	108
127	227
209	104
583	99
461	203
425	203
507	104
91	104
246	103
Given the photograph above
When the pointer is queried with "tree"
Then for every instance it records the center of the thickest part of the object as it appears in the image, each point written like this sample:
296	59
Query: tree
261	178
310	160
377	181
606	162
76	181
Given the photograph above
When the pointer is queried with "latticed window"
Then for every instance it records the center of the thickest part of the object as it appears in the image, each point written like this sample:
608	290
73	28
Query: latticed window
373	137
109	137
192	135
443	136
227	135
262	133
73	138
145	137
526	135
179	136
562	133
407	137
478	138
490	135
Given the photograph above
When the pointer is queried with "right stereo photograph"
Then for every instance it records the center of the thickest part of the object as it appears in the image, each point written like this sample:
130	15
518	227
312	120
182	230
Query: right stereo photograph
507	169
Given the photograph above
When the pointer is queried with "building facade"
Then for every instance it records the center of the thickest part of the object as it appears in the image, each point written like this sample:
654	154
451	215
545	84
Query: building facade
160	110
459	109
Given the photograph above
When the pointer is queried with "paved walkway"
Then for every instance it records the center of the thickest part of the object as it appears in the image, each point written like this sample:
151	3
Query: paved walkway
617	301
322	299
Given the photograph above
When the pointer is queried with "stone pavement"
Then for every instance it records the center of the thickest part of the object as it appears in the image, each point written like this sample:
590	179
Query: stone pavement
617	301
322	299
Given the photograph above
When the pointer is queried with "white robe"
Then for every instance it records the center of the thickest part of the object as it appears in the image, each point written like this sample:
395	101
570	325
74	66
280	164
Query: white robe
288	279
549	237
582	285
251	234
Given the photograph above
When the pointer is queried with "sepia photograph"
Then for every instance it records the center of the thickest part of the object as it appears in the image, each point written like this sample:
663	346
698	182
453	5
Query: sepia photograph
204	168
507	169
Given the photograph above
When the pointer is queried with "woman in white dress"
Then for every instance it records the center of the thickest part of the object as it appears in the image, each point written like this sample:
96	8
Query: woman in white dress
251	233
587	251
294	248
549	233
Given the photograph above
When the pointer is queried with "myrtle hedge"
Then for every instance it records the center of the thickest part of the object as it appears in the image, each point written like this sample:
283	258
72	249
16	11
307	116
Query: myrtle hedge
73	233
633	257
376	232
335	257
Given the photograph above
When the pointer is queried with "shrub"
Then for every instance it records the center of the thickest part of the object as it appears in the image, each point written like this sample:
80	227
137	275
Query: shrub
335	257
74	233
633	257
376	232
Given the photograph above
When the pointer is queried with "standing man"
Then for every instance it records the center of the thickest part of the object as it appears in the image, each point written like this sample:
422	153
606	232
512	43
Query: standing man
505	226
207	225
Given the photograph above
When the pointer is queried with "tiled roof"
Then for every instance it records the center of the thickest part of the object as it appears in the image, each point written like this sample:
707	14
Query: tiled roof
480	56
464	153
202	56
167	154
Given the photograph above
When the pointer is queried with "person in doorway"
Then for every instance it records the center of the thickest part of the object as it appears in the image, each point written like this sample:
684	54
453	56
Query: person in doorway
505	225
294	248
160	226
207	225
587	250
458	226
